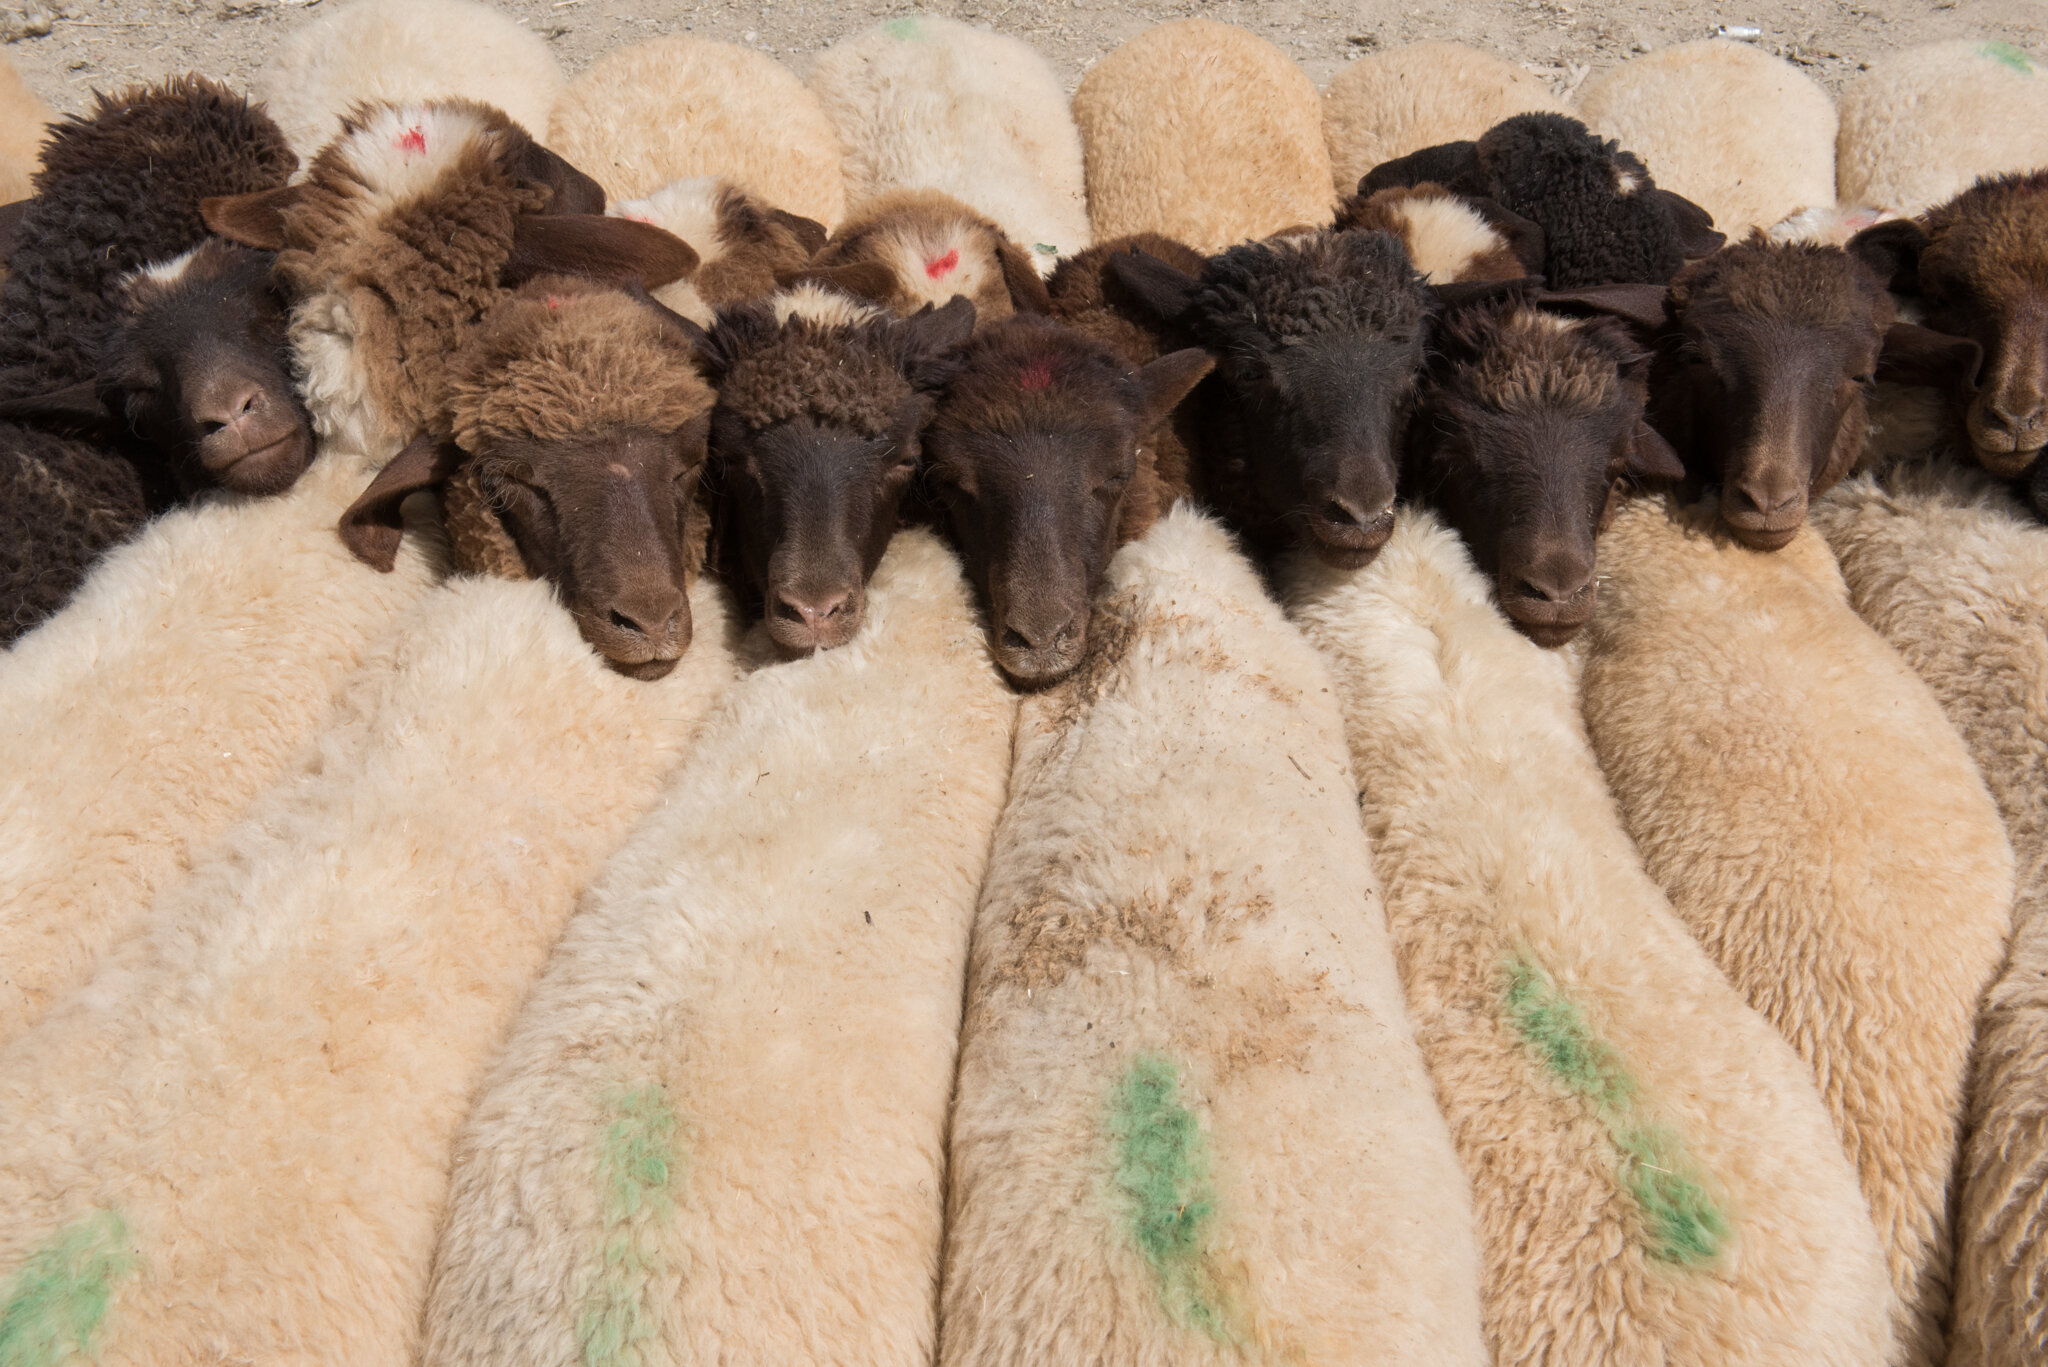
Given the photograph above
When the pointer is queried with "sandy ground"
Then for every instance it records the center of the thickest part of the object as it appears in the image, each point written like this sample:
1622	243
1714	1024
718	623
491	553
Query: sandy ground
102	44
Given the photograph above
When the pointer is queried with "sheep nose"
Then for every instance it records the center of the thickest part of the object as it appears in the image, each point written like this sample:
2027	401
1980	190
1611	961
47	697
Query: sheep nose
655	618
1039	648
1552	589
2021	424
813	611
1769	498
239	404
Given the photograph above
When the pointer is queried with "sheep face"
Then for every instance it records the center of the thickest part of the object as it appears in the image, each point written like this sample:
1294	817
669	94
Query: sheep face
1033	451
915	247
1980	267
1318	338
1531	427
197	363
1779	344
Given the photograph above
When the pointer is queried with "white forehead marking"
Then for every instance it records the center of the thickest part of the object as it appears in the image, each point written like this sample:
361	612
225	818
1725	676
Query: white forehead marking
167	272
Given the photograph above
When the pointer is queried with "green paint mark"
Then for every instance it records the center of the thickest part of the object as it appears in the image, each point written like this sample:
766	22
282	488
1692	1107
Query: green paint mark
636	1161
904	30
1163	1171
1682	1221
1045	249
2008	55
53	1304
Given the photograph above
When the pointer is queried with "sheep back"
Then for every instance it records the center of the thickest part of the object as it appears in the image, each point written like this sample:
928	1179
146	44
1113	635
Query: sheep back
1924	123
1655	1175
405	51
1953	572
676	106
1191	1123
771	1019
22	119
63	504
263	1091
1205	133
1819	826
1387	104
926	103
1745	135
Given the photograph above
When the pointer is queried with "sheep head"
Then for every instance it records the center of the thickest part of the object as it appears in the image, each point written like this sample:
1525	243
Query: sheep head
915	247
1037	451
1450	238
576	431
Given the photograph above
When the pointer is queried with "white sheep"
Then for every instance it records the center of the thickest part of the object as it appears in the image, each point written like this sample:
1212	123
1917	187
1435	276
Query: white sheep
1924	123
22	118
1388	104
402	51
1745	135
1953	572
1818	824
719	1125
926	103
1205	133
677	106
1655	1175
1191	1122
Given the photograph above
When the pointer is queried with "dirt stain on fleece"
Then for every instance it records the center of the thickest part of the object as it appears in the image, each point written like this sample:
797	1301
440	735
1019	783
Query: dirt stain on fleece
1682	1224
52	1306
639	1163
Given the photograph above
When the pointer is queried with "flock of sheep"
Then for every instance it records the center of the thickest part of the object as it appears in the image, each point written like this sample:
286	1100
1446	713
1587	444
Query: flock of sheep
1345	727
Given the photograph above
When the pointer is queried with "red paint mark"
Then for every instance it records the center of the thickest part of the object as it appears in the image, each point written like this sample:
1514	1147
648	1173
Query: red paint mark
555	301
412	142
640	218
940	266
1035	375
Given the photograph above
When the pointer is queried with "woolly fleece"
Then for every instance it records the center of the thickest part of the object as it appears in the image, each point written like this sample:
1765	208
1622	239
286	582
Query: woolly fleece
927	103
676	106
1819	826
1746	136
1923	123
1954	573
1388	104
140	721
1205	133
1191	1123
405	51
742	252
266	1087
22	119
778	957
1686	1203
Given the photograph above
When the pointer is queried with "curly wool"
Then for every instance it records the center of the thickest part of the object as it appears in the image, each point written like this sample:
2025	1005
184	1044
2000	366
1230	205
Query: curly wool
1528	361
1991	235
1308	285
564	357
62	504
1589	196
848	374
1805	283
120	188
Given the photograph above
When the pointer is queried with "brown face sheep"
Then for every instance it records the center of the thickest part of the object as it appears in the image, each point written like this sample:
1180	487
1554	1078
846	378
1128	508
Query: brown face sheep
573	439
1451	238
1036	453
910	248
814	442
1979	266
746	249
1528	430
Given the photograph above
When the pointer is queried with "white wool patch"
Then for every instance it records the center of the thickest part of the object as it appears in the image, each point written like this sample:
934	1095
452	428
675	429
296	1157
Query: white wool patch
935	261
688	208
1625	183
404	148
166	272
1444	237
820	304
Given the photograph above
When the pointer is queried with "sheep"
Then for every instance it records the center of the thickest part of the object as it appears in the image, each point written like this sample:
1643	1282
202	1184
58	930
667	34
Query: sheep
1604	220
1450	238
22	120
777	1028
405	51
1655	1176
1923	123
1202	132
1952	572
909	248
821	399
1042	455
1385	105
745	249
262	1090
1191	1123
1817	823
1973	266
928	103
677	106
1746	135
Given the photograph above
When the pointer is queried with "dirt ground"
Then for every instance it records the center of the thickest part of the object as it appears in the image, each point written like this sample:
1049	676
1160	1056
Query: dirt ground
101	44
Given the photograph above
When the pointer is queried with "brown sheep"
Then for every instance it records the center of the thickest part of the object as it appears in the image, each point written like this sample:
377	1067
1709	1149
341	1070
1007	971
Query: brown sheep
1451	238
910	248
746	249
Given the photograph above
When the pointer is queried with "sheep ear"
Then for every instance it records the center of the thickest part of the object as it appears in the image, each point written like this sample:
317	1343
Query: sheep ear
253	220
933	331
1455	294
1523	237
613	250
1159	287
1916	355
1651	457
575	193
1696	234
868	280
1027	287
1640	306
10	225
372	526
1454	165
76	401
1165	382
698	339
810	234
1892	249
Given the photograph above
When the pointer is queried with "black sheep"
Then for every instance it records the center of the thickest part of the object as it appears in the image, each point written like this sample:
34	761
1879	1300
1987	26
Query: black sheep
1603	218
